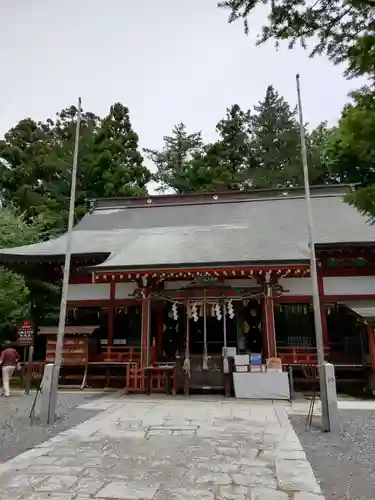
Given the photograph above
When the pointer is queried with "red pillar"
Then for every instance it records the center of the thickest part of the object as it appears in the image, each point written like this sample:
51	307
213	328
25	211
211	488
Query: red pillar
145	329
111	312
160	326
269	327
322	305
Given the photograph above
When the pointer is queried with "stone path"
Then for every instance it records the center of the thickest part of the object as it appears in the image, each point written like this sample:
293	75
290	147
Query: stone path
167	449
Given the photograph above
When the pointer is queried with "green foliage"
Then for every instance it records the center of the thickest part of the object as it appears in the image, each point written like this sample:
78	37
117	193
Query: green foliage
36	162
341	29
116	163
232	152
275	143
319	163
259	148
35	178
350	150
14	231
174	161
14	302
186	165
364	200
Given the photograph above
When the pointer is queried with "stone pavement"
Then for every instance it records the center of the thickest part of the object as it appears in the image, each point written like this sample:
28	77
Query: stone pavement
146	448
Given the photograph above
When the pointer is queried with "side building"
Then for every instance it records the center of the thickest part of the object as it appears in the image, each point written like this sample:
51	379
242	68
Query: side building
179	277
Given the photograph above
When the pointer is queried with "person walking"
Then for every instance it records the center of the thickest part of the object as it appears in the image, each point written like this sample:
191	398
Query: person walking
8	360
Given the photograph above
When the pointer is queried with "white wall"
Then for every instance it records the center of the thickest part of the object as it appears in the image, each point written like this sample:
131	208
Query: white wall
296	286
125	290
351	285
89	291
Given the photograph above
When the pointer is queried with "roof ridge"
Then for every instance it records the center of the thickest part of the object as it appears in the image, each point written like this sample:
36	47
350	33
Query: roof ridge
285	194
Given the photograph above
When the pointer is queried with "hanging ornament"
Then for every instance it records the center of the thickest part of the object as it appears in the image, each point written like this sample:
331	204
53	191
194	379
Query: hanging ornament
213	311
218	312
194	312
175	312
231	312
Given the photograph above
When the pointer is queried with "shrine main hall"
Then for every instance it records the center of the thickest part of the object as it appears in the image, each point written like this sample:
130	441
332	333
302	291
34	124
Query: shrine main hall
193	280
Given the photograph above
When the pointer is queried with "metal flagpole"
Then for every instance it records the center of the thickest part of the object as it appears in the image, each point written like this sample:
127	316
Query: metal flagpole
65	283
313	271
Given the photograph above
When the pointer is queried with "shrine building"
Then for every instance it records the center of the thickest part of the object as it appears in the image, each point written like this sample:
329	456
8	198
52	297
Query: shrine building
166	279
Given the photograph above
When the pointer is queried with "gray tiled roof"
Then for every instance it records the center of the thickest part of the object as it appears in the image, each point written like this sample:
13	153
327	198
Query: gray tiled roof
256	229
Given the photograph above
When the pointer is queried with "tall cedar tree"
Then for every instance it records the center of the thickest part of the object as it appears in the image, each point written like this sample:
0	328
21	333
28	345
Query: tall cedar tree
185	165
275	143
254	149
344	30
174	161
231	154
36	162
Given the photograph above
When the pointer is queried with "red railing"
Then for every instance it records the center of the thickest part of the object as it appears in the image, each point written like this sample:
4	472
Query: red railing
119	353
299	355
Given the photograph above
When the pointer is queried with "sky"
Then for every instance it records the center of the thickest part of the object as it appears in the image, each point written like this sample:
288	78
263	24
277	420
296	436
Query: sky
167	60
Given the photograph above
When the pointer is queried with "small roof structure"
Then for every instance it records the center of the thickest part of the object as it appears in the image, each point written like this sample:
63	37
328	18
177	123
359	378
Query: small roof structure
69	330
365	310
258	226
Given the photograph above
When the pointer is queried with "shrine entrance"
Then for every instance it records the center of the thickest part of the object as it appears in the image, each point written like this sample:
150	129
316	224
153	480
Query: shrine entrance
205	329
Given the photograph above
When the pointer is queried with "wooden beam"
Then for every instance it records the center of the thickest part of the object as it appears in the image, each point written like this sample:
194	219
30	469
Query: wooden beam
337	272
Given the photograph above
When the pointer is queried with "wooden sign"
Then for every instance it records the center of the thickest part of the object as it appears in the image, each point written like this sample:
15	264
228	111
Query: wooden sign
25	334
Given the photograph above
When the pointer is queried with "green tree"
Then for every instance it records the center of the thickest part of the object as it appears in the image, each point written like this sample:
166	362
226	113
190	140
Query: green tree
15	305
318	141
341	29
231	153
187	165
36	162
174	161
19	299
253	149
350	150
117	167
275	143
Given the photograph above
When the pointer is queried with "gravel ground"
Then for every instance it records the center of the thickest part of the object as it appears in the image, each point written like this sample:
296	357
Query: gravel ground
344	461
16	433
